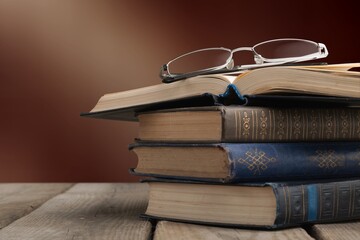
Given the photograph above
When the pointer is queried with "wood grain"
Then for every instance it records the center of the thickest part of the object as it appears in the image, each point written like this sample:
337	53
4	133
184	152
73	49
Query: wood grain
338	231
180	231
110	211
19	199
87	211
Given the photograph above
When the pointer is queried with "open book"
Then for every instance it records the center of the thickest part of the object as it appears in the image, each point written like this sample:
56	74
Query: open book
333	80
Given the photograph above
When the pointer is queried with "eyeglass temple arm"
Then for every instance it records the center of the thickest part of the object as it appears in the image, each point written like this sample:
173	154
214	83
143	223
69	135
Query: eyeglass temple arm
323	50
164	71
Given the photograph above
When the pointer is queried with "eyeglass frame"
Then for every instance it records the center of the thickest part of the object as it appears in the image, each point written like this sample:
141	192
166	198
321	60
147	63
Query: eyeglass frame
229	67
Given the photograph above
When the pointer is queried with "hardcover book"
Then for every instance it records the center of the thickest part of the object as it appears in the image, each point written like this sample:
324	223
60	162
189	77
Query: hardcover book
250	124
324	83
240	162
167	230
269	205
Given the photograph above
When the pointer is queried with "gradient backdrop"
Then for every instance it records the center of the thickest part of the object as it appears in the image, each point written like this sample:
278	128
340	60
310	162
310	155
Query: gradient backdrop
57	57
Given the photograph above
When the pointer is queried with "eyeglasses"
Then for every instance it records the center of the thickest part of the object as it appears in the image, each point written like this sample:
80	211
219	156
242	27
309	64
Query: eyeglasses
221	60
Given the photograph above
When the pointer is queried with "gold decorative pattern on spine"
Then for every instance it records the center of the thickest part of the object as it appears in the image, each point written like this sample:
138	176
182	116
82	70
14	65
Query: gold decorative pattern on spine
246	125
328	159
256	161
263	125
314	125
276	124
344	124
329	124
358	124
280	125
297	126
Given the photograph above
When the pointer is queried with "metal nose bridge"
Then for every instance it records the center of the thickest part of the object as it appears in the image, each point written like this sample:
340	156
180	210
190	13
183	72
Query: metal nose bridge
257	57
242	49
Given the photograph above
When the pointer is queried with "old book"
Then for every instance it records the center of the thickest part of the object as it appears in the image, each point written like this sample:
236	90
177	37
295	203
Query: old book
267	205
335	231
239	162
250	124
244	88
166	230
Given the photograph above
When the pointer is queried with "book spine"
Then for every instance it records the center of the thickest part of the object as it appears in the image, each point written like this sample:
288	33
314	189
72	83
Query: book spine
320	202
292	161
290	124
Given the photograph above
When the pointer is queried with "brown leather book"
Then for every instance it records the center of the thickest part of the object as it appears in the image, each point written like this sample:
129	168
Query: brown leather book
250	124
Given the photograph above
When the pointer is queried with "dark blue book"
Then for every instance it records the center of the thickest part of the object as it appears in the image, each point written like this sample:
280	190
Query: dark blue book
270	205
248	162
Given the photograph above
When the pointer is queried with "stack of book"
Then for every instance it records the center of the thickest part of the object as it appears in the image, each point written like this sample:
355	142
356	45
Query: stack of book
284	152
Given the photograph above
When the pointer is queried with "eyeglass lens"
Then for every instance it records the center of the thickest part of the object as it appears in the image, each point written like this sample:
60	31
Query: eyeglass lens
286	49
198	61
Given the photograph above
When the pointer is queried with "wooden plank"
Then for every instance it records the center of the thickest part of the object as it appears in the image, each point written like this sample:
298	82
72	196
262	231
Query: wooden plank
176	231
338	231
19	199
87	211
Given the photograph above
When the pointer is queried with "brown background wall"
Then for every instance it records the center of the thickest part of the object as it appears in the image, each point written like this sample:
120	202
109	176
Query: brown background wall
58	57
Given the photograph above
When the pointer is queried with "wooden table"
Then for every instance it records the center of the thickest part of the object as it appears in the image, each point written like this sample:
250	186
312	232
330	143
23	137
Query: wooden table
110	211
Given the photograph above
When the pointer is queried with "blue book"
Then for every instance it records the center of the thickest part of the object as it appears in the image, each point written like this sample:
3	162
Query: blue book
248	162
269	205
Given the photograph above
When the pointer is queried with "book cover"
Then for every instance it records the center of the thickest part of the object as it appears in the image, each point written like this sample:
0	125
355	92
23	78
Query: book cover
169	230
207	99
323	84
241	162
250	124
269	205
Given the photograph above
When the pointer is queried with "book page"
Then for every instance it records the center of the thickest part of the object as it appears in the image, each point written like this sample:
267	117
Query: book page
227	77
